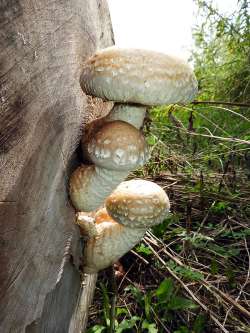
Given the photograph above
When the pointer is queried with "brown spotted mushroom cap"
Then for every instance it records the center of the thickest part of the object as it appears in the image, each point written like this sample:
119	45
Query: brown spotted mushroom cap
117	145
138	203
138	76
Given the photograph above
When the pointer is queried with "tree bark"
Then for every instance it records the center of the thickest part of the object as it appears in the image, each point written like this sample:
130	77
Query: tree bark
42	108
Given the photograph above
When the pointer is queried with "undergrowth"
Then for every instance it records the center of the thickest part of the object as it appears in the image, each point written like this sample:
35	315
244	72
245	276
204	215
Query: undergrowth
191	273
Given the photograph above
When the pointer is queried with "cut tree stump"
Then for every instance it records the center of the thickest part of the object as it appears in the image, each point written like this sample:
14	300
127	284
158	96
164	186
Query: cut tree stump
42	108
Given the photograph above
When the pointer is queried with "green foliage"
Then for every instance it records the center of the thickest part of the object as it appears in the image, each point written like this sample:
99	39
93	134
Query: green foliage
126	324
222	52
219	207
214	267
182	329
165	290
160	229
106	304
151	328
244	233
185	272
96	329
141	248
163	301
195	238
224	251
199	324
181	303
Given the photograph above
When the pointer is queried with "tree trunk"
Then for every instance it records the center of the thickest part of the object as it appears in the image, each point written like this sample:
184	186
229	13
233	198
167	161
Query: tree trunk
42	108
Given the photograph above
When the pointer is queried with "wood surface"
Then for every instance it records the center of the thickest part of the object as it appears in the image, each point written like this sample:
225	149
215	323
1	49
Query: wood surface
43	44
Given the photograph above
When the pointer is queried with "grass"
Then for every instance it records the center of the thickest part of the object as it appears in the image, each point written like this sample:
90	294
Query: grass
194	268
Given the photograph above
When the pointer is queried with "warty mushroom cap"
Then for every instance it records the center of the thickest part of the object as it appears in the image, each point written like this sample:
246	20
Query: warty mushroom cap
138	76
138	203
117	145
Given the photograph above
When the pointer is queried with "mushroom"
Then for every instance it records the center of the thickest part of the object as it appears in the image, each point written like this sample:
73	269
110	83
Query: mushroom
138	76
115	149
130	210
127	76
132	114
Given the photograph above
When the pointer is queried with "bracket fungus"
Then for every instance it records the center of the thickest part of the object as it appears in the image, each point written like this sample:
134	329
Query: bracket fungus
129	211
115	149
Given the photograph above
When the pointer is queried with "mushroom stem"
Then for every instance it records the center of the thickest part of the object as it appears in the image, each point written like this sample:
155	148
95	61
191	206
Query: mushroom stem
132	114
111	242
90	185
86	222
115	149
131	209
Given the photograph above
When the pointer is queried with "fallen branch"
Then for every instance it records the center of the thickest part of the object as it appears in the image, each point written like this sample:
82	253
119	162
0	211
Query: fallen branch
222	103
247	142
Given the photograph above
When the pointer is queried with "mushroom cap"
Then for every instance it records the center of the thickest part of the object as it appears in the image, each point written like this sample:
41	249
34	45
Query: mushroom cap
117	145
138	203
138	76
79	183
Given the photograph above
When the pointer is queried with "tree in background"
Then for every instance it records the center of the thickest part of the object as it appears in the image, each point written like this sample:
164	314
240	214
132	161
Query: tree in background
222	52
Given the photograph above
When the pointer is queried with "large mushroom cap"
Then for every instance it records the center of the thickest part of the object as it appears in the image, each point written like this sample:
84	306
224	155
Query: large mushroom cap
138	203
117	145
138	76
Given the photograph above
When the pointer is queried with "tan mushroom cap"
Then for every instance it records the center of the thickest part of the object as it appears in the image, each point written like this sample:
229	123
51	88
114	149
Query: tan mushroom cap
117	145
79	185
138	76
138	203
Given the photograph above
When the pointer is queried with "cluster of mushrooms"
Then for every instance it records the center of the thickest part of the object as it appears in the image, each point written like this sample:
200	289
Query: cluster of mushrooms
114	214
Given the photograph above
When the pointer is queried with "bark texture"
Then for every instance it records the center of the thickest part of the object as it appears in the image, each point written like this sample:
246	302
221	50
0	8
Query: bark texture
42	108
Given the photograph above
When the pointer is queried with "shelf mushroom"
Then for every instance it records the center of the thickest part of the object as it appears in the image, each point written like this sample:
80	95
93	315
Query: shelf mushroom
115	149
130	210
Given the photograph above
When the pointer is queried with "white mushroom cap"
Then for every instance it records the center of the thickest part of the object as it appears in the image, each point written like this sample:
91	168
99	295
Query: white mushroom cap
138	76
117	145
138	204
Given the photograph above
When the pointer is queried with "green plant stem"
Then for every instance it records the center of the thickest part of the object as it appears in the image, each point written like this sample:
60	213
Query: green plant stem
113	300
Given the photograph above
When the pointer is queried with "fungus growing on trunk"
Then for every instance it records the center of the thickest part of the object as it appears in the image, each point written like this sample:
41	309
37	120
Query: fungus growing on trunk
140	77
115	149
131	209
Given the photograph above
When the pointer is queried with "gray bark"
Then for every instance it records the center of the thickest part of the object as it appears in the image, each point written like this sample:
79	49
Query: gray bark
42	108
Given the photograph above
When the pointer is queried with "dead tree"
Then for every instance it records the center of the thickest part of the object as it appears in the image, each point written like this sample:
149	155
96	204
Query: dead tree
42	108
